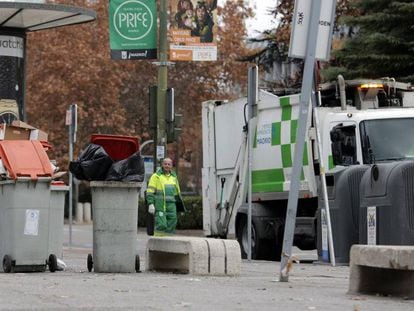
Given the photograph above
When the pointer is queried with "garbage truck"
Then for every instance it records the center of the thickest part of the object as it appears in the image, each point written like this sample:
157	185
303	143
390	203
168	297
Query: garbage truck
358	122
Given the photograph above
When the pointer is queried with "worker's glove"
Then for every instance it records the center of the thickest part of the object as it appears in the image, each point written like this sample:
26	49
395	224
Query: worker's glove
151	209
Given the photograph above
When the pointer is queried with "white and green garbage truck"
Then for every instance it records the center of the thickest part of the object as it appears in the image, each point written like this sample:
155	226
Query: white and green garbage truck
359	122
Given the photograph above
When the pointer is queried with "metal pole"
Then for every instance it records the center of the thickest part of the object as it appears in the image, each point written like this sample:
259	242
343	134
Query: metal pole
160	137
324	189
70	180
252	102
300	141
23	84
141	147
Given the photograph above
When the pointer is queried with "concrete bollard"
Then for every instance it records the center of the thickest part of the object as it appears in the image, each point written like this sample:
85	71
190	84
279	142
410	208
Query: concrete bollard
79	213
193	255
382	269
87	212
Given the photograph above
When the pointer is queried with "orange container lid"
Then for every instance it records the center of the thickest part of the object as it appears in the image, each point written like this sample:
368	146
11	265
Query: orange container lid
25	158
46	145
58	183
116	146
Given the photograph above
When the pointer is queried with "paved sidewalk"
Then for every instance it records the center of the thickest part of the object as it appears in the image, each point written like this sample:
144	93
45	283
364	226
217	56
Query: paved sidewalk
310	287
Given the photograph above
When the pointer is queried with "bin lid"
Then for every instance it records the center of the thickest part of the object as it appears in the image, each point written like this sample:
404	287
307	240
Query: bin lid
57	185
25	158
116	146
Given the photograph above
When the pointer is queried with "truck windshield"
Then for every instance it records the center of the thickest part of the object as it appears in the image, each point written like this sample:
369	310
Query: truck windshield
387	139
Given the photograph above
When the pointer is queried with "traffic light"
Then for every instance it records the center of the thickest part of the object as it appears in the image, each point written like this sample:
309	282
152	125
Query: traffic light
172	119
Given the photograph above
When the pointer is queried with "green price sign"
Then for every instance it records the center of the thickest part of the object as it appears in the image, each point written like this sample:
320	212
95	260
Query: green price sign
133	29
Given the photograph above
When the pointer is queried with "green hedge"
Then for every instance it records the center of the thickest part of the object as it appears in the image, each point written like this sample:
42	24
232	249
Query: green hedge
192	219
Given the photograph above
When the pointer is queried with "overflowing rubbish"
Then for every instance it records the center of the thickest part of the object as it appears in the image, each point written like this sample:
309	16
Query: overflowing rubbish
30	220
115	206
92	164
110	158
129	169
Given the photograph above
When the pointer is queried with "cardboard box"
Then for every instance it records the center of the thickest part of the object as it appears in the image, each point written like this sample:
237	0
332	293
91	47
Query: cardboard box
38	135
18	123
20	130
2	131
11	132
35	134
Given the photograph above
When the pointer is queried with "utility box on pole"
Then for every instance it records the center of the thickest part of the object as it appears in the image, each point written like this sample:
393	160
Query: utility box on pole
300	29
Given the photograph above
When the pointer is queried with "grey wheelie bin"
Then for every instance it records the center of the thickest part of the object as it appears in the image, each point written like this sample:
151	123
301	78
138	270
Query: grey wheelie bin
115	213
24	225
387	209
24	207
58	192
343	195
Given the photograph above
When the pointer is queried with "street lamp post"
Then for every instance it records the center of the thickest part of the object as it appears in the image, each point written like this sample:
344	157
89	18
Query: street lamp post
160	133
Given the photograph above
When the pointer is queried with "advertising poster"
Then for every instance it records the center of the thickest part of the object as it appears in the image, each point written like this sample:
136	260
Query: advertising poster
31	224
133	29
193	30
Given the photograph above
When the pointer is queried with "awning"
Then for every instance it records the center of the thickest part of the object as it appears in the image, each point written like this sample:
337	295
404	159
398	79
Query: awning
37	16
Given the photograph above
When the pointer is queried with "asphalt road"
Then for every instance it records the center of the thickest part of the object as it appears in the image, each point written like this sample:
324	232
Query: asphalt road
310	287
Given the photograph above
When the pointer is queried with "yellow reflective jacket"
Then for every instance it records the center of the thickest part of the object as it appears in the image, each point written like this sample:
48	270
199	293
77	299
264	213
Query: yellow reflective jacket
163	189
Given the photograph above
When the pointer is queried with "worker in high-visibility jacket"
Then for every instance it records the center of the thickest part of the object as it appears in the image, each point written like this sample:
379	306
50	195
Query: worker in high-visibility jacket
164	199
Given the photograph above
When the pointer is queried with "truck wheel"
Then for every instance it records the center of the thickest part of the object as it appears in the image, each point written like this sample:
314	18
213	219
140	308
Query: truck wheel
52	262
243	239
7	264
137	264
273	249
89	262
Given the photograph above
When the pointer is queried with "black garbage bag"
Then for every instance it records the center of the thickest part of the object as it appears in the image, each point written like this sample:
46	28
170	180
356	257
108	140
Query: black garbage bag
92	164
129	169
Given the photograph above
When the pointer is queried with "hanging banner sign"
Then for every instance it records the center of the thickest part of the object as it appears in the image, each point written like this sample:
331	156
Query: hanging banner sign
300	28
133	29
193	30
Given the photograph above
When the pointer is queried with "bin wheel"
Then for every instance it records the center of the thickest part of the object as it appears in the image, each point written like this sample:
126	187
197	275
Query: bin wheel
137	264
7	264
52	263
90	262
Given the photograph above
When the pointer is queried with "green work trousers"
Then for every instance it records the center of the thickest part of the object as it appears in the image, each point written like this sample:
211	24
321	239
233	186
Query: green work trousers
165	221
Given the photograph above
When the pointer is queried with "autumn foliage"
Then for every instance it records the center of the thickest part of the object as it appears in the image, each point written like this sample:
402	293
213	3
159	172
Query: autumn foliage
72	65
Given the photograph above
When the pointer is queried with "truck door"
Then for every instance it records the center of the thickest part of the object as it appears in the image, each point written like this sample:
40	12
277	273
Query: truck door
344	144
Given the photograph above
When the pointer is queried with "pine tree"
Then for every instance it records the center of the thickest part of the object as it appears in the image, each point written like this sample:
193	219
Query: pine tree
278	39
382	43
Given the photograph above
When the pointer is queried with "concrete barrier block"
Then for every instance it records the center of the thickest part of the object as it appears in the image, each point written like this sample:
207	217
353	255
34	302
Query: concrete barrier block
198	256
79	213
178	255
193	255
233	254
382	269
87	212
217	258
